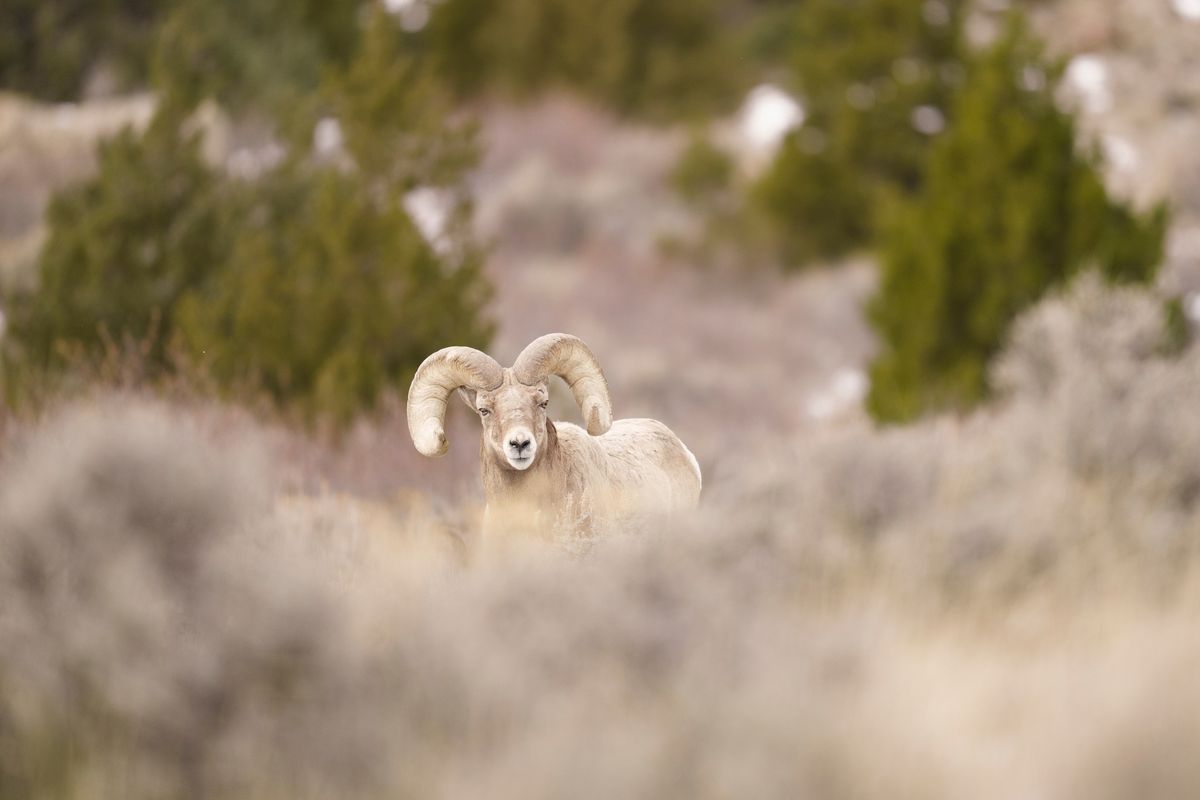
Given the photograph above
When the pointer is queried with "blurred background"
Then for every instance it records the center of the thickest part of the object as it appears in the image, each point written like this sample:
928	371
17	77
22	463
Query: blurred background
916	280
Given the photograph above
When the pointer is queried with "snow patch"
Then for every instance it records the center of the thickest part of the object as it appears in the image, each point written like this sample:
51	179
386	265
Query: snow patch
768	115
845	391
430	209
928	120
1191	307
1087	76
413	14
327	138
249	163
1188	9
1121	153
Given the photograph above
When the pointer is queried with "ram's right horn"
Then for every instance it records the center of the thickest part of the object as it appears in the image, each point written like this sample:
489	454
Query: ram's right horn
436	379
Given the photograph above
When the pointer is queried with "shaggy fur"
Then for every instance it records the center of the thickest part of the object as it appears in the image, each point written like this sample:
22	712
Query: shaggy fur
585	485
554	478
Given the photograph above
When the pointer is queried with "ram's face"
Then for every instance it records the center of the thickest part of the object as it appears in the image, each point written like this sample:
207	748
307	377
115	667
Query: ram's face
514	420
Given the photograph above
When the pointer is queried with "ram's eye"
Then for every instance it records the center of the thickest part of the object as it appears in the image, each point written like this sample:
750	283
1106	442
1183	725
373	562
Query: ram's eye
483	412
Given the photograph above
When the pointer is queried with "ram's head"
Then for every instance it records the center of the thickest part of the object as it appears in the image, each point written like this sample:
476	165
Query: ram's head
511	403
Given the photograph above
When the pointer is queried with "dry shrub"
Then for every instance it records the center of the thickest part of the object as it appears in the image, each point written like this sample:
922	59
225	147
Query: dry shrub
997	606
146	632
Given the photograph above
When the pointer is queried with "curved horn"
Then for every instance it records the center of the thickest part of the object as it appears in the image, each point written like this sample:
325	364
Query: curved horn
436	378
570	359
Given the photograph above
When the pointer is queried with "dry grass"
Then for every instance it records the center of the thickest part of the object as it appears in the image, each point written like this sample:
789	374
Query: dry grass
1001	606
195	603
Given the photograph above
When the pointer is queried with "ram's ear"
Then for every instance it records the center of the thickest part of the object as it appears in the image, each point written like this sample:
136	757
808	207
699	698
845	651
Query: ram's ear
468	397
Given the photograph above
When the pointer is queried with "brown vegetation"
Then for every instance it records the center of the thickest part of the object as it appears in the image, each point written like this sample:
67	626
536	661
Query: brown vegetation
998	606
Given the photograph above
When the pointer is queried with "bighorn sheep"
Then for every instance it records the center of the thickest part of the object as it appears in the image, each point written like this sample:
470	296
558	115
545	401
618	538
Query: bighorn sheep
553	477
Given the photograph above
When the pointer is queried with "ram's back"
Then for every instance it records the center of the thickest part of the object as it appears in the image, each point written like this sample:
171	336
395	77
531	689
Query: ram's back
644	464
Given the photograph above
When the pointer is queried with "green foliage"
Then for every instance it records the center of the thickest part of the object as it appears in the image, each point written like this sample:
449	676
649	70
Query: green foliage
864	69
708	179
1010	208
311	286
251	54
394	111
240	53
49	47
703	172
654	58
330	296
814	204
1178	334
765	30
657	58
124	248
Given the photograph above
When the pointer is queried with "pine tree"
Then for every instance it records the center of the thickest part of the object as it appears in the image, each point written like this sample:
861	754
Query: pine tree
395	113
123	249
652	58
310	285
238	52
877	78
332	294
49	48
1011	207
251	56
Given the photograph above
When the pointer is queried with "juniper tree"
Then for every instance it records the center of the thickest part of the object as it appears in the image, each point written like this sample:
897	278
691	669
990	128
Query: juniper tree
651	58
310	284
877	78
1011	206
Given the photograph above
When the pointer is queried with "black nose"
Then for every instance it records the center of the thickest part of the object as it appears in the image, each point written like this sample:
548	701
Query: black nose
519	444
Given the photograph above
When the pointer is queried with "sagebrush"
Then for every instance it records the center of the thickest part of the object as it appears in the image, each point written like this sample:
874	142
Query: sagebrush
859	615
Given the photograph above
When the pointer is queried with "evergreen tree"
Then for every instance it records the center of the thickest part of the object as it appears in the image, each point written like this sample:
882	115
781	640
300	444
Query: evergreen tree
395	114
332	294
123	249
877	78
239	53
48	48
263	56
1010	208
330	297
311	285
653	58
704	172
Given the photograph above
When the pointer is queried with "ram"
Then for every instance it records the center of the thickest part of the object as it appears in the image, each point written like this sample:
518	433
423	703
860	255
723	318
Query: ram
553	477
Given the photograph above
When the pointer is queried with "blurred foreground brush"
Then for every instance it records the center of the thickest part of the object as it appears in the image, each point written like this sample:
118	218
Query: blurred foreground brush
996	606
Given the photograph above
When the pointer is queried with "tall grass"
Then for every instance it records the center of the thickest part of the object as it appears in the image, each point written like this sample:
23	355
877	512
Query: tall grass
995	606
